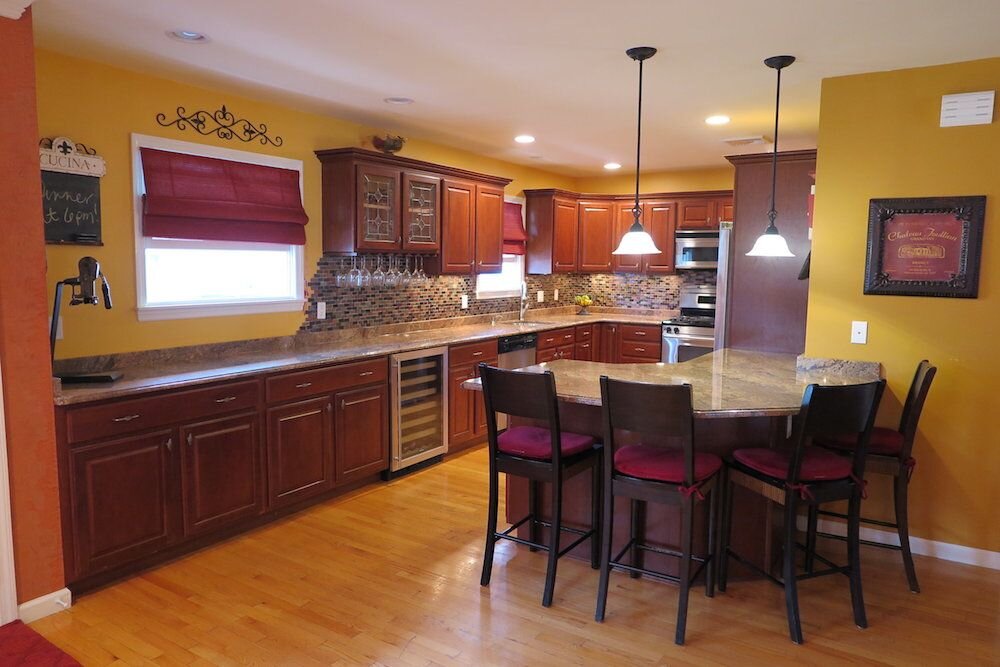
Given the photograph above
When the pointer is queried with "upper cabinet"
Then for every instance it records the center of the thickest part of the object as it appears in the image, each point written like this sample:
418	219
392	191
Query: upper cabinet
373	202
568	232
704	214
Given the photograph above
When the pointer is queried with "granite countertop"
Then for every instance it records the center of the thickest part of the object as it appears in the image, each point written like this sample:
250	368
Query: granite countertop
725	383
182	367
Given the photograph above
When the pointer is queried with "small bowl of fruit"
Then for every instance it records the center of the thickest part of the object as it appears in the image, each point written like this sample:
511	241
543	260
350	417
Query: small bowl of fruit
584	301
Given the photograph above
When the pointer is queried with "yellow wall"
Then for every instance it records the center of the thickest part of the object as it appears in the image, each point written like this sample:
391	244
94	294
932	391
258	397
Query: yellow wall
879	137
685	180
101	106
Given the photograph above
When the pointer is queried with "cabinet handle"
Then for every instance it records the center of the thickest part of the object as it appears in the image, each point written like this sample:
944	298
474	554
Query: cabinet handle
170	444
344	403
303	385
585	345
190	440
477	354
640	349
126	418
639	333
227	399
366	374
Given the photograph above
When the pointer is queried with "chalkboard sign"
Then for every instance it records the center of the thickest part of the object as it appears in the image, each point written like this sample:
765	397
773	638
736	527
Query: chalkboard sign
71	208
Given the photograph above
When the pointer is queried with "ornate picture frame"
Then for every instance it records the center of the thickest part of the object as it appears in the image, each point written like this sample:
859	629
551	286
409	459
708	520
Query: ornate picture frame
925	246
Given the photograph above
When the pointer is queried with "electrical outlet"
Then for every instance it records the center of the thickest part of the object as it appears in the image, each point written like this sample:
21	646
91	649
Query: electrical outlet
555	294
465	301
540	296
321	310
859	332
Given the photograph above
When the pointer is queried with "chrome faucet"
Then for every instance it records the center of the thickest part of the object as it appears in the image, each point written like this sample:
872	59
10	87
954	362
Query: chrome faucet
524	301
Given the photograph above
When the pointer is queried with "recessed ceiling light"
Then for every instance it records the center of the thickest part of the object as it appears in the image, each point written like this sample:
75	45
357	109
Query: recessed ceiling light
611	166
398	100
189	36
718	119
524	139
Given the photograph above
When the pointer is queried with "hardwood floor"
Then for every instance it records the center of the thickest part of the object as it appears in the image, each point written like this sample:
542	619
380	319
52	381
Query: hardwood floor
390	575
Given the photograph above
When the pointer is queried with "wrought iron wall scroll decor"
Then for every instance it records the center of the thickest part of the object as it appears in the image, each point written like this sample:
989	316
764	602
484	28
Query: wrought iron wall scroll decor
222	123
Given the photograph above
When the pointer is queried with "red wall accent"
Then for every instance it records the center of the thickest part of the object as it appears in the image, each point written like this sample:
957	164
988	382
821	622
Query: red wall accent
24	350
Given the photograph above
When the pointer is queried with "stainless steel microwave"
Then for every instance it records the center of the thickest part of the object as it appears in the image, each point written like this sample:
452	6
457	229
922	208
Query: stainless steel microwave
697	249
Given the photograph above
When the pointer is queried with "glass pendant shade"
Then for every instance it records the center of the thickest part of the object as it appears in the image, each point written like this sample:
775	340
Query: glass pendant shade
770	244
636	242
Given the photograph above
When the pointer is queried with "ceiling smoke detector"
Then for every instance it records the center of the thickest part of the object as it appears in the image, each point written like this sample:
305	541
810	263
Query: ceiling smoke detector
755	140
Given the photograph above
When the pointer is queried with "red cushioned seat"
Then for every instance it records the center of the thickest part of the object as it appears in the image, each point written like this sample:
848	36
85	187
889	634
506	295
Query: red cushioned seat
664	465
884	441
534	442
817	464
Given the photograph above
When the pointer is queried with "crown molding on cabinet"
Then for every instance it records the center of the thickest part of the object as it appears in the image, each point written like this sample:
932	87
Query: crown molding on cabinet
13	9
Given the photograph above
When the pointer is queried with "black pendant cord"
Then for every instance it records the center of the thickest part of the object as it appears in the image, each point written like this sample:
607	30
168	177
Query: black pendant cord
636	211
772	213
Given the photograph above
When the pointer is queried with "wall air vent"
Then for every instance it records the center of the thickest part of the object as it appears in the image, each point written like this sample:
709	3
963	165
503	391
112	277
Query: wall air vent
756	140
967	109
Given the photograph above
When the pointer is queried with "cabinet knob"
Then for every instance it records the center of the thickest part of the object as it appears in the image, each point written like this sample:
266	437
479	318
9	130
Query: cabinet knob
190	440
170	444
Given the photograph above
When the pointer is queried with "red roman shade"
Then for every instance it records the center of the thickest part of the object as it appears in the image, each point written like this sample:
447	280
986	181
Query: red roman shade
195	197
514	237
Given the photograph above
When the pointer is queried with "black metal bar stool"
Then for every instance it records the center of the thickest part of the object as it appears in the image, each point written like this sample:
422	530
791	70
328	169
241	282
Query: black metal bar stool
890	452
809	476
643	472
541	454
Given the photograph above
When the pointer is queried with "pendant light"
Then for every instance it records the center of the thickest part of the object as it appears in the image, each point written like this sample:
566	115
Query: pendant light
637	241
771	243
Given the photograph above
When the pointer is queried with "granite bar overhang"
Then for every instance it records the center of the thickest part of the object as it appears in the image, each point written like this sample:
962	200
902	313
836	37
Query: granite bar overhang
724	383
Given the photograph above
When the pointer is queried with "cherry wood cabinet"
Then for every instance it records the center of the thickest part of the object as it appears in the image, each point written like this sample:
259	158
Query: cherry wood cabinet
147	478
361	432
489	229
122	494
374	202
458	244
221	472
466	409
300	450
570	232
595	223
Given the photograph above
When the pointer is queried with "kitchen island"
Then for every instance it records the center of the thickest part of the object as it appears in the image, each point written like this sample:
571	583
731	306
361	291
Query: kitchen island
741	399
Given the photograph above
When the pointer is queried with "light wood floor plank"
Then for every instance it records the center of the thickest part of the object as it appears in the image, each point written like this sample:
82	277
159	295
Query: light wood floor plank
389	575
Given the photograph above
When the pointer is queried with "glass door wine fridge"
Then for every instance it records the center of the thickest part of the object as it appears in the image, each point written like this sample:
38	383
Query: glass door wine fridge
419	407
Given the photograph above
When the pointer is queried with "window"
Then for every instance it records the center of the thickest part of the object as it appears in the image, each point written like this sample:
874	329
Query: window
182	278
507	283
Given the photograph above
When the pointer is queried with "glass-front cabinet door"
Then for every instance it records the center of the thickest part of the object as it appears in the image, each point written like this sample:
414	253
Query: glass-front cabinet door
378	208
421	212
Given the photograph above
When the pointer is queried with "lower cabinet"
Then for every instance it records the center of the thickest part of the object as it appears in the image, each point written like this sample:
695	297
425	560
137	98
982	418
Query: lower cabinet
466	409
122	500
220	472
300	450
361	432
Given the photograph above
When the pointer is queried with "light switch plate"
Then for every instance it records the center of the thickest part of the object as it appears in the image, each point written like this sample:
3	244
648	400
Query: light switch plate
465	301
321	310
555	294
859	332
540	296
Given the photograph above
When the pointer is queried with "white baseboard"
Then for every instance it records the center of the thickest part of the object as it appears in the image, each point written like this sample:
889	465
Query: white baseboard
54	602
956	553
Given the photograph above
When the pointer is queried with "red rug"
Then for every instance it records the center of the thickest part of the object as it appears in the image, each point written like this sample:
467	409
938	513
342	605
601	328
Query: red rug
20	645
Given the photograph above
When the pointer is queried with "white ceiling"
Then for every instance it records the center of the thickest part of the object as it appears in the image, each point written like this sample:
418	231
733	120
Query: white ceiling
482	72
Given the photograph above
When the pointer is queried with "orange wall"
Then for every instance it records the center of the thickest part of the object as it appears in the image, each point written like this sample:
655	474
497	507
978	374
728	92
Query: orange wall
24	353
879	137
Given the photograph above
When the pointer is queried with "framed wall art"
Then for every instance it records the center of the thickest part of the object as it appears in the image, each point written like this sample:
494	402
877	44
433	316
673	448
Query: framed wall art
926	246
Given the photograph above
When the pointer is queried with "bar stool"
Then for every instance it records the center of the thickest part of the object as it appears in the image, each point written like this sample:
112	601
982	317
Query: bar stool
541	454
890	452
810	476
643	472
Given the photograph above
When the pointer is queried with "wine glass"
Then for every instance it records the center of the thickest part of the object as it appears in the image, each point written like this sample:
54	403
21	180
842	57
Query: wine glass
366	274
378	277
392	278
341	280
354	275
407	277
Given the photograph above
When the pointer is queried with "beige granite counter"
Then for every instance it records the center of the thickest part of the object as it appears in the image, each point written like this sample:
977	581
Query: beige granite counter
182	367
725	383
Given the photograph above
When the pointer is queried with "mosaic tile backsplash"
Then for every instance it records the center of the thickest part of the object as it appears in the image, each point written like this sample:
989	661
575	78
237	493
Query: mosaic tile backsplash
441	296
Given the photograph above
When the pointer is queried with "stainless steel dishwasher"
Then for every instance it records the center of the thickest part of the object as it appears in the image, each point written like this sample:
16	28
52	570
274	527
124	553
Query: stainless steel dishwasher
515	351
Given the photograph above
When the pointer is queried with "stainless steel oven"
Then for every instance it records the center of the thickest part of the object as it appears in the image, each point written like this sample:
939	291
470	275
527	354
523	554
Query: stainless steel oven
692	333
696	249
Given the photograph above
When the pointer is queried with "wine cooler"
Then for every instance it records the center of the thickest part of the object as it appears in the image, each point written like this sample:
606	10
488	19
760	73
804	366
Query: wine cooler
419	408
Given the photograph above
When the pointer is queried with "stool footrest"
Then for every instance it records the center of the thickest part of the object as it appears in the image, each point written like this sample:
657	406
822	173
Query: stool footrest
843	538
874	522
506	534
616	563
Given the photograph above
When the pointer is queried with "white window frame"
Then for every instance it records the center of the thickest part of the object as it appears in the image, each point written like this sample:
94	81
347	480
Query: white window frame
148	312
506	294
